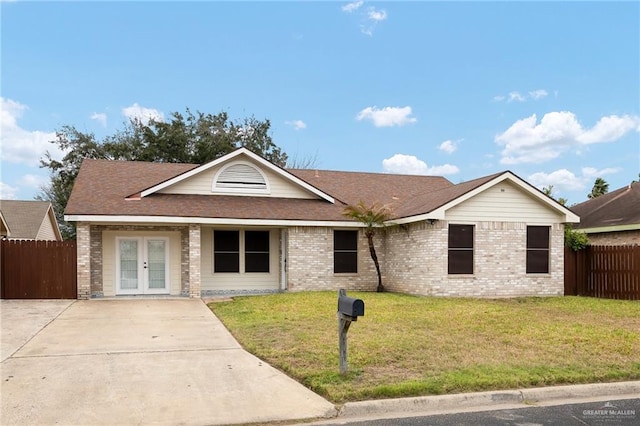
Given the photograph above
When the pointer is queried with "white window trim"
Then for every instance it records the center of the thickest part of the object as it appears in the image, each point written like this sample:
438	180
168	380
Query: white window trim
214	189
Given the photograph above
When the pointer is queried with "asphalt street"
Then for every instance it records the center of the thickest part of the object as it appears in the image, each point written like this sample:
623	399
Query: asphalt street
624	412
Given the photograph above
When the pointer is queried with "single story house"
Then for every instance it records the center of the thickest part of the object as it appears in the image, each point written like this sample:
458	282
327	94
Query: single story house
240	224
28	220
612	218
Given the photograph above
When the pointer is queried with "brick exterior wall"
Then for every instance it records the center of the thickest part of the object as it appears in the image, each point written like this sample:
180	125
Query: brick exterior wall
310	262
416	262
83	249
194	261
615	238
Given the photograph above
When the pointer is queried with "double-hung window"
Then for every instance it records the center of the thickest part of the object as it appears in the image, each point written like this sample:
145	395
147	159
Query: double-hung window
538	249
235	251
345	251
460	249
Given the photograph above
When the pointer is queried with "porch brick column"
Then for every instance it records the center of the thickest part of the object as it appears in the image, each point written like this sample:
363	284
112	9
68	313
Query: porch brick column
83	250
194	261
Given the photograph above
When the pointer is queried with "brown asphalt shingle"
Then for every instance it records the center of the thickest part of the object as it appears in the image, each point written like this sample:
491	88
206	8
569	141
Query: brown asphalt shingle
619	207
102	188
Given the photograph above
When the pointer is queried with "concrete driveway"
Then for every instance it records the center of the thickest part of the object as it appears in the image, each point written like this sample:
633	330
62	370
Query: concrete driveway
144	361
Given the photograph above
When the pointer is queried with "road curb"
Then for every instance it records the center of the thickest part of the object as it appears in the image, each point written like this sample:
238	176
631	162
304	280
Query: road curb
483	399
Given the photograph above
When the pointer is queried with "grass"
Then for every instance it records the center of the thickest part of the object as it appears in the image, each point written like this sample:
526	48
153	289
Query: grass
409	346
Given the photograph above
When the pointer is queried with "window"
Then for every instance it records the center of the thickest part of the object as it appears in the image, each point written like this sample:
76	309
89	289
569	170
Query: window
229	247
256	251
226	251
345	251
461	249
538	249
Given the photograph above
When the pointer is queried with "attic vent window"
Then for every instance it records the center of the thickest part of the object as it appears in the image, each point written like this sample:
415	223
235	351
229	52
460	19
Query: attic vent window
240	177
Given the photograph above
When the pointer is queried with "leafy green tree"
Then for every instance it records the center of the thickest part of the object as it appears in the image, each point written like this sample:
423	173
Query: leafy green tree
576	240
600	187
373	217
184	138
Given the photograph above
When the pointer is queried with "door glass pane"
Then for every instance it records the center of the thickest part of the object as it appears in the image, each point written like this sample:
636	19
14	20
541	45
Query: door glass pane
156	263
128	264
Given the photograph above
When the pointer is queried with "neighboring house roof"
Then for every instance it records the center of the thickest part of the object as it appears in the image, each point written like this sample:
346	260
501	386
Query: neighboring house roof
618	210
5	231
117	191
30	220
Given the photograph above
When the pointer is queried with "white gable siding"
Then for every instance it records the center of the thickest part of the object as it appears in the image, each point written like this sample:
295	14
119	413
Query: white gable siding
46	231
503	202
202	183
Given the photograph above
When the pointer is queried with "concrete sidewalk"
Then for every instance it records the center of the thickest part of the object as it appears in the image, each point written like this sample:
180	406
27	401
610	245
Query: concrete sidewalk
147	361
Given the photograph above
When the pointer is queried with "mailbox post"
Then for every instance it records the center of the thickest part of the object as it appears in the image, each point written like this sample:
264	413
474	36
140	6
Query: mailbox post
349	309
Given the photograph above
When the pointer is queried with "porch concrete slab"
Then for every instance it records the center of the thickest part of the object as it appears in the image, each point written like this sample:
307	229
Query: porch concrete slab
120	326
98	363
20	320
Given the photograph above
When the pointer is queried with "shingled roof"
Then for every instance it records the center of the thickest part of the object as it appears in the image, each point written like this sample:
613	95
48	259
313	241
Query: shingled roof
24	219
613	209
113	188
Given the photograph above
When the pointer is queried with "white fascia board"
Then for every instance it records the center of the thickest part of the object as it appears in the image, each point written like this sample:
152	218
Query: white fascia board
230	156
613	228
52	217
411	219
209	221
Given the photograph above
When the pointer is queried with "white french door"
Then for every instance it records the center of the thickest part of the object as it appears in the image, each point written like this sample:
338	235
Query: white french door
142	265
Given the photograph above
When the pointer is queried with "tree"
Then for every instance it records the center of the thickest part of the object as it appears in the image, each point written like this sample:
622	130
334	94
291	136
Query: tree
373	216
185	138
600	187
575	240
548	191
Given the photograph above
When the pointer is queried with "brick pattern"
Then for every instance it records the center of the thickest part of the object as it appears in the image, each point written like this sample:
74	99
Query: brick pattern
416	262
615	238
194	261
83	247
310	262
96	261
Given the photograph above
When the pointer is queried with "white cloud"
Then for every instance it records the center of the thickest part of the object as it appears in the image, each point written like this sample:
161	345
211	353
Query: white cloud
411	165
515	96
538	94
137	112
528	141
7	192
100	117
560	179
592	172
353	6
376	15
19	145
609	129
387	116
296	124
564	179
448	146
372	18
33	181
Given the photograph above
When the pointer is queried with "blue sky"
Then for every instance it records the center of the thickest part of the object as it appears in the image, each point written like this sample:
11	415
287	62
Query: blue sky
548	90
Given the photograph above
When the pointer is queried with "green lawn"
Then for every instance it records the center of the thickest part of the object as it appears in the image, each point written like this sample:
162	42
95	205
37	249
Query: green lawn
408	346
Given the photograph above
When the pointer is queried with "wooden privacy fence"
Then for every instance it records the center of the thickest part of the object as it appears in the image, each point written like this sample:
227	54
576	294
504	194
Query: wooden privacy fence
610	272
38	269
